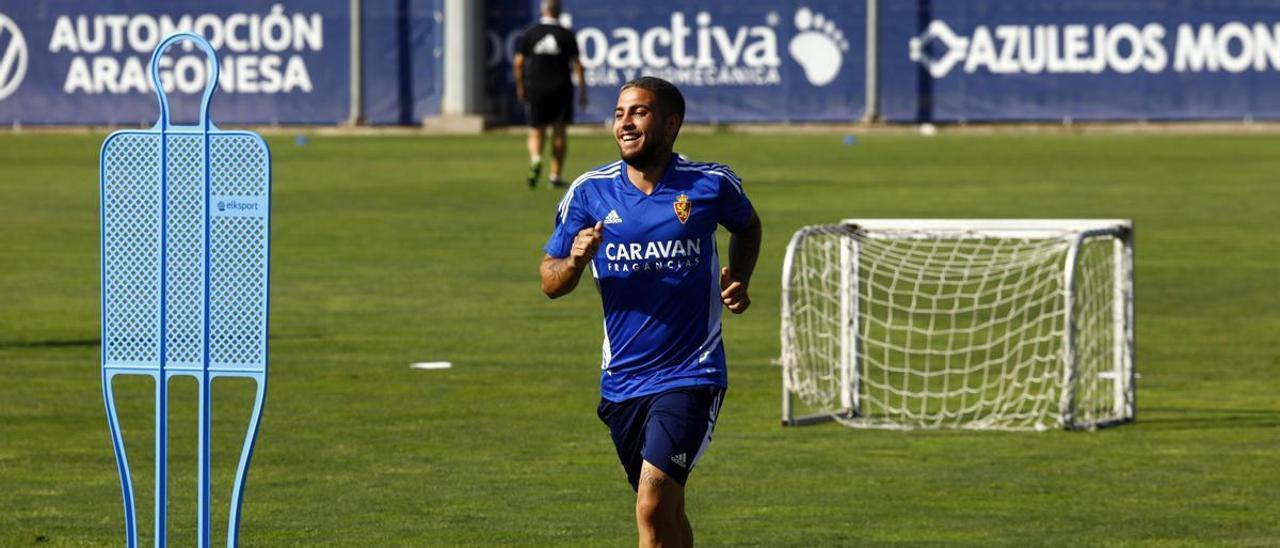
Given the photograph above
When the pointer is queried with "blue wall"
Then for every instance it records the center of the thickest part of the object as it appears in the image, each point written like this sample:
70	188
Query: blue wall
72	62
403	43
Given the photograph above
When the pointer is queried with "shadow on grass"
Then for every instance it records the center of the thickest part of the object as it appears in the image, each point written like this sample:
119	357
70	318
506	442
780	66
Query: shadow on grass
68	343
78	343
1187	418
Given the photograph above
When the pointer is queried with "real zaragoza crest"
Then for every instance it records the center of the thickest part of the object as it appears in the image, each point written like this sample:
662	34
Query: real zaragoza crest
683	207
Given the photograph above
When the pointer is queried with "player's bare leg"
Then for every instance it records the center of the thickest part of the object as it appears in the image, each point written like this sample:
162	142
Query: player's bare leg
537	135
659	505
559	146
686	530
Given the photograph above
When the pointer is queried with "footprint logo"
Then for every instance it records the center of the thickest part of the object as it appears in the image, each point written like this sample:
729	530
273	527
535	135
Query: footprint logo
819	47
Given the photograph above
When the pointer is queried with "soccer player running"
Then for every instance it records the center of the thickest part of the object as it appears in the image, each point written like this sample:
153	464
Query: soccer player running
646	225
544	55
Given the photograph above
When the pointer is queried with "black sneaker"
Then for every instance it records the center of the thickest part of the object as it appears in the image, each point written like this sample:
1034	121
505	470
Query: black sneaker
558	182
535	169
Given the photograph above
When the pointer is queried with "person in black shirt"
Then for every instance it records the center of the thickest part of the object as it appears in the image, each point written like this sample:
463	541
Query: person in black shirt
544	57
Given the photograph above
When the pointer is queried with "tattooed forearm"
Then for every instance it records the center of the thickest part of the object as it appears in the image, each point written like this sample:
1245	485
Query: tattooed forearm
559	276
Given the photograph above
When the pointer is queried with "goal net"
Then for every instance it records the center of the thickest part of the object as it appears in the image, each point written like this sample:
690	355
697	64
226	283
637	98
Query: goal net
976	324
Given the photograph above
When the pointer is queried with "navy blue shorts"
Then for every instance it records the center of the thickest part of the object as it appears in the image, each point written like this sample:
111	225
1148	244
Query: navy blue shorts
671	429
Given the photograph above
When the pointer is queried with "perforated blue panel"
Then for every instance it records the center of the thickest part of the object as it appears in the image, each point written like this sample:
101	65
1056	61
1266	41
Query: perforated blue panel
239	185
131	250
237	320
184	252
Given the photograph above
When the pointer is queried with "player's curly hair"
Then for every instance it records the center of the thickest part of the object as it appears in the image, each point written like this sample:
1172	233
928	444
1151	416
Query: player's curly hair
670	100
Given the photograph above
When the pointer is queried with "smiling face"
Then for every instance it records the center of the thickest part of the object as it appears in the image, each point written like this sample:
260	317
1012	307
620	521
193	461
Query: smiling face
643	132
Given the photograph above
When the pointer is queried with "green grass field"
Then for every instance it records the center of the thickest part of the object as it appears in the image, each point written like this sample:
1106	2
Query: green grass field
392	250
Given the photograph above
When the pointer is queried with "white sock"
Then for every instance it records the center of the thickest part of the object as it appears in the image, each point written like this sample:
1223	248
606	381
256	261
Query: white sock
535	160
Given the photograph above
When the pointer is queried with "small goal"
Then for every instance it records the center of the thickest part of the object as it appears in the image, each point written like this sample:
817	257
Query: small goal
996	324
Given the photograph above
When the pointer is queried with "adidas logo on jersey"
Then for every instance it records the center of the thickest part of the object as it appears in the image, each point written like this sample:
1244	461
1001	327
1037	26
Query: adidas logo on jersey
547	46
612	218
680	460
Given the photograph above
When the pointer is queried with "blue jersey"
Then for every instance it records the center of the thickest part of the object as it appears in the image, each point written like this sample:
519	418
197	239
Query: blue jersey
657	271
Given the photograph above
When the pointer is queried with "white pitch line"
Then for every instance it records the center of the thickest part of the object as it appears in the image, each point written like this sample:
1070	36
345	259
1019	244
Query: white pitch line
430	365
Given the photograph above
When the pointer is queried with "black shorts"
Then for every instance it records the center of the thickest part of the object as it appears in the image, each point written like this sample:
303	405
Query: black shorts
549	108
671	430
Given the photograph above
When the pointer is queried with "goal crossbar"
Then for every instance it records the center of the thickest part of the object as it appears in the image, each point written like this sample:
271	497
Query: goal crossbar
1011	228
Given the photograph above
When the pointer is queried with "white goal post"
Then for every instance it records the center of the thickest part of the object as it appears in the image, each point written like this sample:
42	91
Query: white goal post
992	324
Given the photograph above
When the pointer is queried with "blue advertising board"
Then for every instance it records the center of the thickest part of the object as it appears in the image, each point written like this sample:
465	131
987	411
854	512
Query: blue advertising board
800	64
974	60
72	62
734	61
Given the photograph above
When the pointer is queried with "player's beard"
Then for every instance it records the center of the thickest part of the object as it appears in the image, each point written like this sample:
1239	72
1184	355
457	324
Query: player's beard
648	154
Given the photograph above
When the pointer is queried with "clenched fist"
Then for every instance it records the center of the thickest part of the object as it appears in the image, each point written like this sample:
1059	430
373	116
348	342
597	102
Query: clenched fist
733	292
585	244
